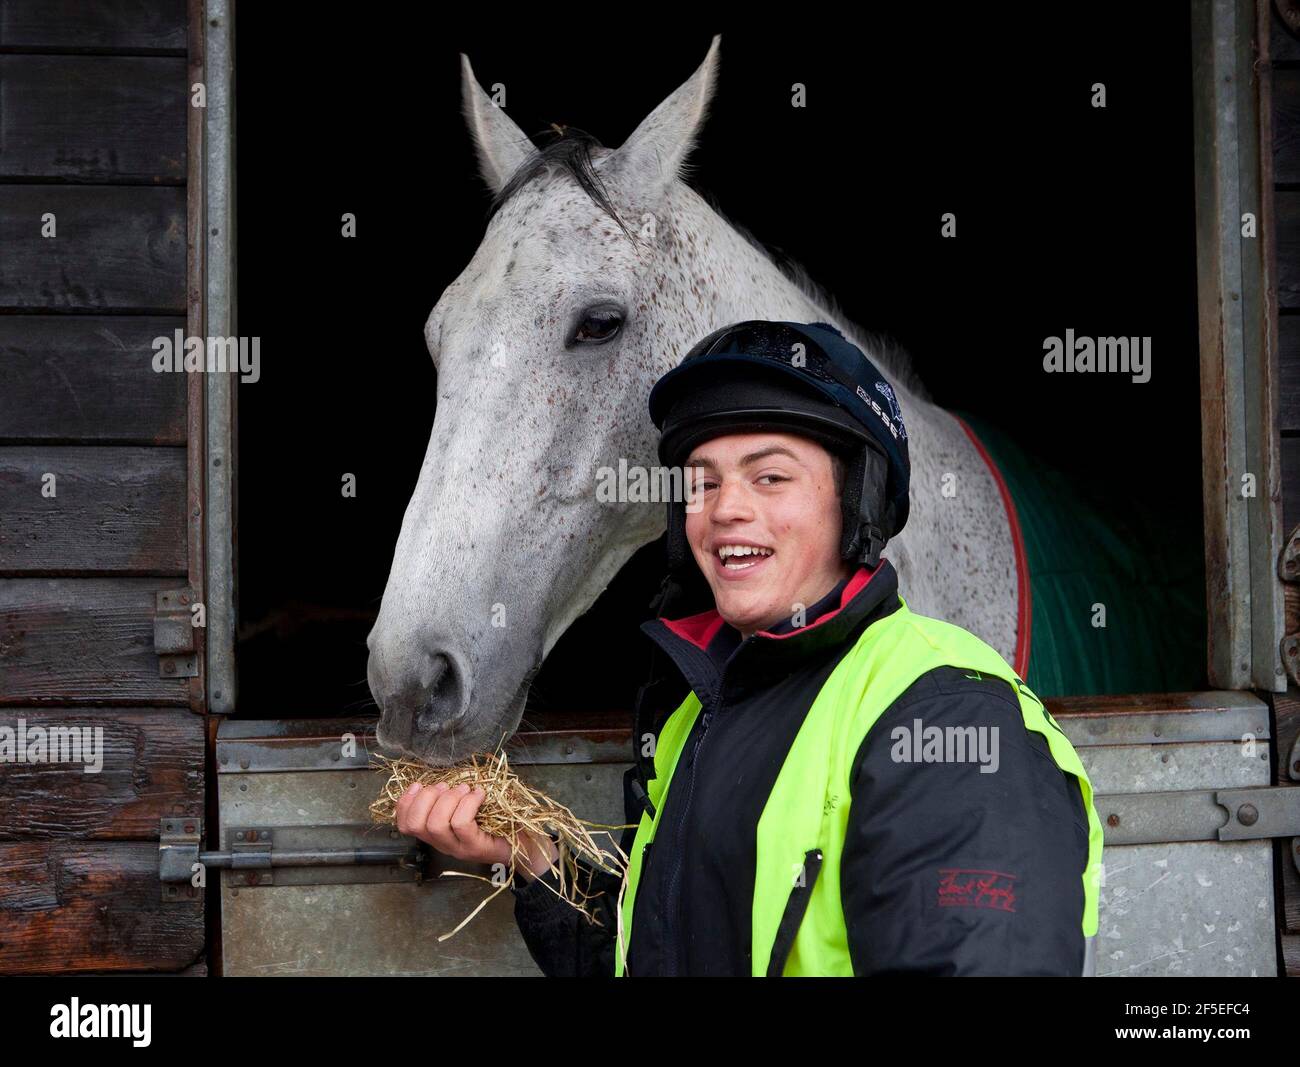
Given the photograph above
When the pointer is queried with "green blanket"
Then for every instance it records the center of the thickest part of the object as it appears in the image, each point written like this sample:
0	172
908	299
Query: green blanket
1125	554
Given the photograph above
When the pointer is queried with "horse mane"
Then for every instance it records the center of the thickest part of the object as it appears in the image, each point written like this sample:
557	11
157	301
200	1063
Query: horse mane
569	151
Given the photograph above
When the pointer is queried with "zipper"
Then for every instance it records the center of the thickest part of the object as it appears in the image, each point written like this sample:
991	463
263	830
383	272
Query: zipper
792	917
673	910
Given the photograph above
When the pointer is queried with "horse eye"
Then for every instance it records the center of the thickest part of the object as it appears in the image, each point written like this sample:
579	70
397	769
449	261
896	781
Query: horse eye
598	325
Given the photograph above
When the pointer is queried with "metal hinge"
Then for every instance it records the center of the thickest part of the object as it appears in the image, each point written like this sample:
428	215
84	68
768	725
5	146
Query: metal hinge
288	855
173	634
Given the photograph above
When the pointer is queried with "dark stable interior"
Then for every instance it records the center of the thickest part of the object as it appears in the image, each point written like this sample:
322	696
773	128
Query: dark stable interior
1069	217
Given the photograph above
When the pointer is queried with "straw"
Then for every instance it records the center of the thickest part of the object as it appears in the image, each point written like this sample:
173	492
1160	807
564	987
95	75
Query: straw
509	809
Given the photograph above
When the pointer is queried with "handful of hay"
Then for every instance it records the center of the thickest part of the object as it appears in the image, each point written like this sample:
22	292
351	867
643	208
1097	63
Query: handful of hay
510	808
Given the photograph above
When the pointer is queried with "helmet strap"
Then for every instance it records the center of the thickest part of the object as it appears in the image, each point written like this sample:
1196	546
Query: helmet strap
677	550
864	509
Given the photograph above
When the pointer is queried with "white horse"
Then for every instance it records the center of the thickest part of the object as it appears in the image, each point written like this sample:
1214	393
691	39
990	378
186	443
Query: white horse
599	269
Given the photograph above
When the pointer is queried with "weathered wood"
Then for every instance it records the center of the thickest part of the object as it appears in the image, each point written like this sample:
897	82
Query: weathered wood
116	247
151	766
1135	703
1289	364
93	25
1284	46
1286	708
1288	248
1236	319
82	641
1290	482
80	378
1291	955
197	969
115	509
93	118
68	906
1286	126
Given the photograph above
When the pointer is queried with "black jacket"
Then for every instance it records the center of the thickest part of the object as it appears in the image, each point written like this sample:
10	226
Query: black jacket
946	870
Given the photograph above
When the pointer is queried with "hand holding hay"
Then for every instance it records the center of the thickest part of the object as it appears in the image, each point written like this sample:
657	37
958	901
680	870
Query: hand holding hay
483	812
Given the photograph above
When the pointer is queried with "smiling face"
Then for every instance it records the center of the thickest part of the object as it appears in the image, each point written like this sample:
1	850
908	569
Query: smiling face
767	532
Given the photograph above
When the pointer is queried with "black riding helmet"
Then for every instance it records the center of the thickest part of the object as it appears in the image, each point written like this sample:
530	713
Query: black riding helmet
791	377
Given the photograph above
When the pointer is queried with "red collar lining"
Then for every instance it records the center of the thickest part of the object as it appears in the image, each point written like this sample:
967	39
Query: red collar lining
700	629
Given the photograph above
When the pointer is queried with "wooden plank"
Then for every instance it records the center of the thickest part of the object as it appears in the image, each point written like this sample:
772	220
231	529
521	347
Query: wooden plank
1143	703
68	906
117	247
93	118
1290	482
197	969
1288	249
70	379
151	766
1288	358
1286	126
1284	45
115	509
1291	955
93	25
75	641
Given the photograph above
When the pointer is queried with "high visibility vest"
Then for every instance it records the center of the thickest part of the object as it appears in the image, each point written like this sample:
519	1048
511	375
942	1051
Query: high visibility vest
802	829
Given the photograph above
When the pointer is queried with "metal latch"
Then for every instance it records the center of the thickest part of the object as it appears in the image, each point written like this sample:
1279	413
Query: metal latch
1253	814
178	852
290	855
1267	811
173	634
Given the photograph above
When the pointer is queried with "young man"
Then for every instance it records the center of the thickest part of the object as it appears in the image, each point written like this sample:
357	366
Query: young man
846	788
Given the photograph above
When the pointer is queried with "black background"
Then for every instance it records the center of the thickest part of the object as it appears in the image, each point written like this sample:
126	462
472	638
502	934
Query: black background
1068	216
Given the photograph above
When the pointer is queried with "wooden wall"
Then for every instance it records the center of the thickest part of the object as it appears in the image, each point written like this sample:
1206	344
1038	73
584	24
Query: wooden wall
1284	53
94	109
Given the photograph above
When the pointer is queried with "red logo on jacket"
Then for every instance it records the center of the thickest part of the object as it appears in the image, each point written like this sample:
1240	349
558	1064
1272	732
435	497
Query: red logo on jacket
965	887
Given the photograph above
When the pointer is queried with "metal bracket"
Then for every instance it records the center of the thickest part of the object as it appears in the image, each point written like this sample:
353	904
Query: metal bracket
173	634
1264	811
179	839
251	861
1267	811
1197	815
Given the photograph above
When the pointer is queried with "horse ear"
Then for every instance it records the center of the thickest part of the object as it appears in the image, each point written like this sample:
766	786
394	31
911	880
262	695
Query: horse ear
502	146
655	153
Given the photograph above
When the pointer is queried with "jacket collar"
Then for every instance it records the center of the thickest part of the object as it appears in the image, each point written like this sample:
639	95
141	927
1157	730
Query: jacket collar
868	596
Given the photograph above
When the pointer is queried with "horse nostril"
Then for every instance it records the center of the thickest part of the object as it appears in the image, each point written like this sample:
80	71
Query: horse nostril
443	691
